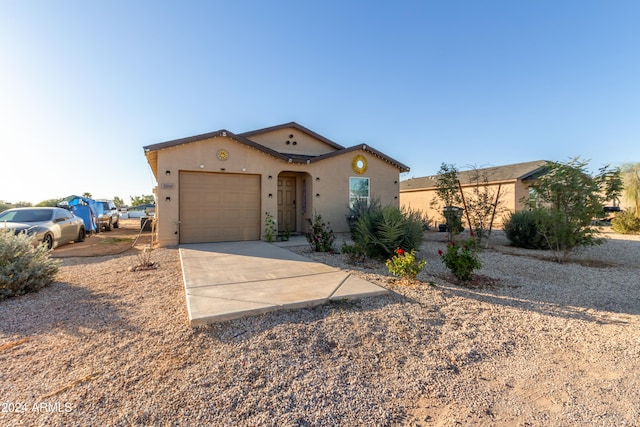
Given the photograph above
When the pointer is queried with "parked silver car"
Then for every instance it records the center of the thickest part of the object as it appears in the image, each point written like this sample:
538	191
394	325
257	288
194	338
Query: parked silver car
51	226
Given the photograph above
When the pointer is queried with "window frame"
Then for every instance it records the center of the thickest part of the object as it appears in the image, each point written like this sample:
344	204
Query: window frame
353	198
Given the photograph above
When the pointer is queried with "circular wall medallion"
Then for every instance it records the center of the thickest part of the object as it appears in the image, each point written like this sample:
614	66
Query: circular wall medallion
222	154
359	164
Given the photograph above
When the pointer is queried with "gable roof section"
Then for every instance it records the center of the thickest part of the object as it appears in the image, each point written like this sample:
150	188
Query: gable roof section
295	126
364	147
150	151
514	172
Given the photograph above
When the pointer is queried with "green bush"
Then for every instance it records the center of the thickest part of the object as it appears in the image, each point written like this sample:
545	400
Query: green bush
381	231
269	227
569	199
564	233
359	208
461	257
521	228
354	252
23	267
320	235
626	223
405	265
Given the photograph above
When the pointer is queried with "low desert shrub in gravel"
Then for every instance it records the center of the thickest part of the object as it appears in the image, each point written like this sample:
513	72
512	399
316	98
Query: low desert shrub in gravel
320	235
626	223
461	257
23	267
522	230
355	253
383	230
405	265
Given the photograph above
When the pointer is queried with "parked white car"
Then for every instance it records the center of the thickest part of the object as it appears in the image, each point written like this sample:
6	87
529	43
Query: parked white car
142	210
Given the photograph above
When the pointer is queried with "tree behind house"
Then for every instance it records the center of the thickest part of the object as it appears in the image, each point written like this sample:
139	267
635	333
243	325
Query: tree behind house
630	173
142	200
448	193
483	203
570	199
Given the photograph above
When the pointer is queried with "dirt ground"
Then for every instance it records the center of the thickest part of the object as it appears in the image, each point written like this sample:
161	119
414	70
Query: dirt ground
128	237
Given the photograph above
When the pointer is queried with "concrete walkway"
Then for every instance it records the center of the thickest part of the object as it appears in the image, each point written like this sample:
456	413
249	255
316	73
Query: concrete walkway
229	280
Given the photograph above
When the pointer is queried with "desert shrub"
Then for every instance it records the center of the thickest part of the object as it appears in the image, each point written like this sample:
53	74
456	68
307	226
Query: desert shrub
360	207
269	227
426	221
570	199
461	257
355	253
23	267
563	234
404	264
521	228
626	223
320	235
379	232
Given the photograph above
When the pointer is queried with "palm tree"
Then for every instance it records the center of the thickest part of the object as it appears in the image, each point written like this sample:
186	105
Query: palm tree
631	177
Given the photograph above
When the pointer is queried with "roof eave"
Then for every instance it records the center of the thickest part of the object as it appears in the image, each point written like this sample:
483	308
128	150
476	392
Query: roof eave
364	147
295	126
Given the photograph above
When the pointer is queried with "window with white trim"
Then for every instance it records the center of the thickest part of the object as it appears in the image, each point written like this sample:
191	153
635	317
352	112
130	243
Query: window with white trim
358	190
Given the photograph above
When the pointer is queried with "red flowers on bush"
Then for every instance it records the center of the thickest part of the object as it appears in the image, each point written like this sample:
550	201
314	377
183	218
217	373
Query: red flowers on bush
405	265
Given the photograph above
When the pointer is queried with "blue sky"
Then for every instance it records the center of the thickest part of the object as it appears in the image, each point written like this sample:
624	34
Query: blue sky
85	85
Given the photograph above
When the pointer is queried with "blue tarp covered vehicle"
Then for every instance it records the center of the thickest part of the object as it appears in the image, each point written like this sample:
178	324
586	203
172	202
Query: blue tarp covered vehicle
84	208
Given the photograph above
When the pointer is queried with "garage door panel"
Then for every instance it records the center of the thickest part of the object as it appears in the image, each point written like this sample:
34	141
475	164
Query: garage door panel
219	207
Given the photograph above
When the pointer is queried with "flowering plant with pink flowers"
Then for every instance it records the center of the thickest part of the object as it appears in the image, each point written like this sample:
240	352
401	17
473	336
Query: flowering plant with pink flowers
320	235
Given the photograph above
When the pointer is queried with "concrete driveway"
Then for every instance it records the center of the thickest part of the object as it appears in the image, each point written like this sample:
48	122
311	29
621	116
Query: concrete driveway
229	280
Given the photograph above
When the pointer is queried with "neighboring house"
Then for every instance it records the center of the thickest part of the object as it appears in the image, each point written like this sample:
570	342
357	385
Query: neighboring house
220	185
513	181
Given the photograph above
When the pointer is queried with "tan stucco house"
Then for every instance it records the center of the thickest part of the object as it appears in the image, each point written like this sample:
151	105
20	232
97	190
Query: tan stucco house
219	186
513	180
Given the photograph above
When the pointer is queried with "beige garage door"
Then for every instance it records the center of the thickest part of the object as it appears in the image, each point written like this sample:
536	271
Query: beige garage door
216	207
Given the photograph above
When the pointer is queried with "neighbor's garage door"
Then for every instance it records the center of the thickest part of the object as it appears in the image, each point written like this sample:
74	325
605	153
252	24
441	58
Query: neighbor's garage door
217	207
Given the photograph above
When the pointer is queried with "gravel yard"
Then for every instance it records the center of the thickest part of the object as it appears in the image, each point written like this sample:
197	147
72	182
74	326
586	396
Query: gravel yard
546	344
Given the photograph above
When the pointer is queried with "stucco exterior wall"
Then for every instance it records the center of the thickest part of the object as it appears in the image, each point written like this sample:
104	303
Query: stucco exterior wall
421	199
521	196
292	141
326	181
